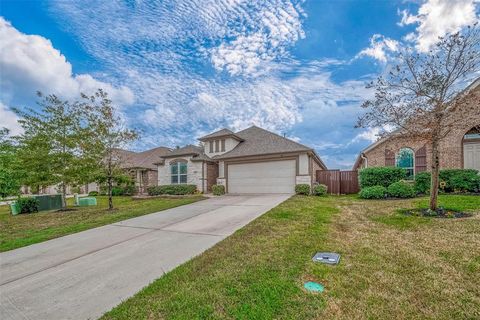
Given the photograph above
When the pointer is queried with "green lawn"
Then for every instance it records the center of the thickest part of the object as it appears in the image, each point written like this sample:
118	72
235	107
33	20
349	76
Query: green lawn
25	229
392	266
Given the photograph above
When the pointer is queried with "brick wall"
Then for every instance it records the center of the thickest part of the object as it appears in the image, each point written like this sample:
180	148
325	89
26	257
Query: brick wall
451	147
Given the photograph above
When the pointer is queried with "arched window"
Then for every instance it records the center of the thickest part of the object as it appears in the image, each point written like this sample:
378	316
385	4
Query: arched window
178	171
405	160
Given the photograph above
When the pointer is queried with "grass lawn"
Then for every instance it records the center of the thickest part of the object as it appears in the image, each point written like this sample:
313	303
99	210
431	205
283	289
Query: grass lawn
25	229
392	266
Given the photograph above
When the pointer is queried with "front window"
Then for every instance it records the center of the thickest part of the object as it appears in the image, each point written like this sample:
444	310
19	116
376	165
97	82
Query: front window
405	159
178	172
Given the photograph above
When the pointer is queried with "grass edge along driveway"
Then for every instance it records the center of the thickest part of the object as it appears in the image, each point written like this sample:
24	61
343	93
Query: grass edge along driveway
26	229
392	266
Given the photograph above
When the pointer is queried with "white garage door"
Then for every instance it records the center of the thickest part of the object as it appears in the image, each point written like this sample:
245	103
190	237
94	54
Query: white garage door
471	153
262	177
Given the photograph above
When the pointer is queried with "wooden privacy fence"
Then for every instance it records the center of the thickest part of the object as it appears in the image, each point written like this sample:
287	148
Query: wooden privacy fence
339	182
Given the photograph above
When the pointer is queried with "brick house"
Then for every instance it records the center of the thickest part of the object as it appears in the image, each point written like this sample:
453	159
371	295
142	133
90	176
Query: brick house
459	150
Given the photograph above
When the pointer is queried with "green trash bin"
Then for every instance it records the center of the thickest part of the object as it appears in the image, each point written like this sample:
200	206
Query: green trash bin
14	208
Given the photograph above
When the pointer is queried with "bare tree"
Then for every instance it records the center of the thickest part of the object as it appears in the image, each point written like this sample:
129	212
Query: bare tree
105	136
421	93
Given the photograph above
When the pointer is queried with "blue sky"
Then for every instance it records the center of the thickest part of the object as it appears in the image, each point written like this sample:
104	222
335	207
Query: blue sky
180	69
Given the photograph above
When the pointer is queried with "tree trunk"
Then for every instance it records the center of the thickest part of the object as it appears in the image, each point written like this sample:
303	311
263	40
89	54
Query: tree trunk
435	176
110	200
64	195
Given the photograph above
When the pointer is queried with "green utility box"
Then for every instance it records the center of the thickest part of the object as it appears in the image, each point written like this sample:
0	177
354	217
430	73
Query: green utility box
15	208
85	202
49	201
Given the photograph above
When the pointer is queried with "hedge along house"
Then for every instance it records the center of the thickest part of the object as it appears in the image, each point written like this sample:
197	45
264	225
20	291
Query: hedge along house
253	160
459	150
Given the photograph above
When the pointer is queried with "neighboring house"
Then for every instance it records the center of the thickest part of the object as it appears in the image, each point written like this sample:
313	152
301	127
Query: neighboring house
461	149
141	167
253	160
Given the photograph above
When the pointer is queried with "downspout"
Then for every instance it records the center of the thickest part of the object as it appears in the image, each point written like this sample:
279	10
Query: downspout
362	155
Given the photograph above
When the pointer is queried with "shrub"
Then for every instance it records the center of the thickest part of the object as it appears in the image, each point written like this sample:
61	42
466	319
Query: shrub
129	190
460	180
218	189
117	191
320	190
93	193
381	176
172	189
422	182
401	189
28	205
302	189
375	192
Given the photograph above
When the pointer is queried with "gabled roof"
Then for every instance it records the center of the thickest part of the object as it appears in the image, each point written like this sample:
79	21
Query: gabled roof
258	141
220	133
144	159
197	153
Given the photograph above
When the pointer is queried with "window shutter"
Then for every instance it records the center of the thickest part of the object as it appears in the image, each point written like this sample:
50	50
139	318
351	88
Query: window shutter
421	160
389	158
211	146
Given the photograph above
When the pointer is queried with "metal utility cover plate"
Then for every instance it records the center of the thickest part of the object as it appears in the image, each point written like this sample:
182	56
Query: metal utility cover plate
326	257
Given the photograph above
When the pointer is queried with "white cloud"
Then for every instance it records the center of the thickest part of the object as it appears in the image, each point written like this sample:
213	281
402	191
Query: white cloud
277	28
30	63
380	48
436	18
8	119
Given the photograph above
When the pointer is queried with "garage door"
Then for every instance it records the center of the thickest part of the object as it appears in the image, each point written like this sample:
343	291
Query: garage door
471	153
262	177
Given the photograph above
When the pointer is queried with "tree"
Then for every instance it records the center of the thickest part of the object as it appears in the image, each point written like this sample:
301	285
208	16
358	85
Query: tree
417	96
105	135
10	171
50	143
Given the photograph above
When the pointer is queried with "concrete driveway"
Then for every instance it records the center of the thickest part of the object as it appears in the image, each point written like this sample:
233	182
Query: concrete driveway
83	275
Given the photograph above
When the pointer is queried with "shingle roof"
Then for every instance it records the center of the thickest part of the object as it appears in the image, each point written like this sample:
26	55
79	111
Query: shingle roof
220	133
188	149
258	141
144	159
197	152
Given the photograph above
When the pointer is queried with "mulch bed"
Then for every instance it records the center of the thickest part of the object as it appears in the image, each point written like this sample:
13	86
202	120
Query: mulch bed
439	213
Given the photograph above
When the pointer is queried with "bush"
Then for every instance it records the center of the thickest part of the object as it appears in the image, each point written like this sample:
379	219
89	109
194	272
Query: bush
375	192
320	190
172	189
129	190
381	176
117	191
423	181
93	193
122	190
401	189
28	205
218	189
302	189
460	180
